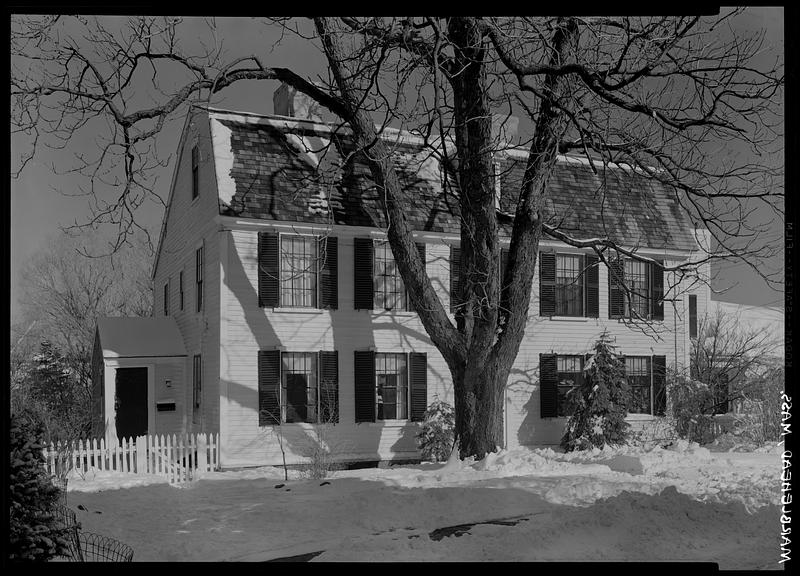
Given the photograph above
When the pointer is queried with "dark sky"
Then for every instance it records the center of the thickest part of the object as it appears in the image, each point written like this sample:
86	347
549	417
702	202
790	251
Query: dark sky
37	209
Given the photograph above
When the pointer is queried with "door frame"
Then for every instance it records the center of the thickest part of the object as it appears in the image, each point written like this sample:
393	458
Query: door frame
111	365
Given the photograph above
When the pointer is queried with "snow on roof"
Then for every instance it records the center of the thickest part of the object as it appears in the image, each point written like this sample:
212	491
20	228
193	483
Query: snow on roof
134	337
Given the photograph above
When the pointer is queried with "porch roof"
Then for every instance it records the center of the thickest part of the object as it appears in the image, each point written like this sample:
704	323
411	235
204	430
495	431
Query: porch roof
132	337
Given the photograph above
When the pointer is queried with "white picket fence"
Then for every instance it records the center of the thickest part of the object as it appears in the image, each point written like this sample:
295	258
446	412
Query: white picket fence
177	457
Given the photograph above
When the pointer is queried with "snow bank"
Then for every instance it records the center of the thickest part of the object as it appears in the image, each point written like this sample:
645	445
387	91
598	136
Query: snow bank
95	480
620	503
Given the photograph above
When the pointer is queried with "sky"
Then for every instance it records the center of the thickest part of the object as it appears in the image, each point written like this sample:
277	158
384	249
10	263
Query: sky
39	208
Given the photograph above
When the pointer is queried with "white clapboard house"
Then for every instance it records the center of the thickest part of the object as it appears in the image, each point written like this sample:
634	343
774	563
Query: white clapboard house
278	305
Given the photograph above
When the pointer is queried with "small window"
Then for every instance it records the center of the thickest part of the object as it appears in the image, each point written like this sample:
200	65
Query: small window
299	387
197	390
692	315
638	374
180	289
199	278
195	173
298	271
166	299
391	386
569	285
390	293
570	377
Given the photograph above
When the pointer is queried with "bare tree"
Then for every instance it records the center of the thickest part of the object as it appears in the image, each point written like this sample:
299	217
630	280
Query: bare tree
732	357
63	292
653	94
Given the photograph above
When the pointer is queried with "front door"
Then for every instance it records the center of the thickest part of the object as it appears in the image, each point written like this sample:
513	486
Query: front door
131	402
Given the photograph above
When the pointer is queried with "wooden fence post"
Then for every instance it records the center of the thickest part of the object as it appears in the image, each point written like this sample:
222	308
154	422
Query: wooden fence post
202	456
141	455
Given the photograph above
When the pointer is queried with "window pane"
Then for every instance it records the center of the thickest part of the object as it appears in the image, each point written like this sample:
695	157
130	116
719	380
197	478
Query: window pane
570	377
390	293
391	386
637	373
299	387
569	286
298	271
636	279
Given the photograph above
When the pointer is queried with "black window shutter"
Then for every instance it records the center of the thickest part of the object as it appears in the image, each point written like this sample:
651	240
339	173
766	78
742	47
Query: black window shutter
363	288
364	369
659	385
329	272
548	385
592	287
268	294
269	381
455	277
418	373
616	293
421	250
657	290
693	315
329	386
547	283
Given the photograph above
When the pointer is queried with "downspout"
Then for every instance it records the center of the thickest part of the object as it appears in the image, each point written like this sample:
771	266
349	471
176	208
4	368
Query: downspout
675	324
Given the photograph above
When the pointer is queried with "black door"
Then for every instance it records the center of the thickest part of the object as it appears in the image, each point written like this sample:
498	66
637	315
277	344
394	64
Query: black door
131	402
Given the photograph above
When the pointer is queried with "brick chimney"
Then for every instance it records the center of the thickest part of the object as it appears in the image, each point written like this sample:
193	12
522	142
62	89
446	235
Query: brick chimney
288	101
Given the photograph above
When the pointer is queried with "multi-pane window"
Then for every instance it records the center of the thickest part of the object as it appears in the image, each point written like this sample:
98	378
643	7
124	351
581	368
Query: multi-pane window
390	293
638	374
196	383
636	279
391	386
198	266
180	289
166	299
299	387
569	285
298	275
195	172
570	376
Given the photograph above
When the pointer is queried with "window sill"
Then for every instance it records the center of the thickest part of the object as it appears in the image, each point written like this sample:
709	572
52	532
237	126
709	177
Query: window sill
398	313
304	425
298	310
569	318
623	320
388	423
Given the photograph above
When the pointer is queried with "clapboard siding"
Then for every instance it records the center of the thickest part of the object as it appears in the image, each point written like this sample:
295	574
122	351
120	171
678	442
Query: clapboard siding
188	224
249	328
170	422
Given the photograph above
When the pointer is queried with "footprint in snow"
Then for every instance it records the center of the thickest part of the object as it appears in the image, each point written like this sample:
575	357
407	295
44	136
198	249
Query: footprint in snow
279	485
325	483
81	507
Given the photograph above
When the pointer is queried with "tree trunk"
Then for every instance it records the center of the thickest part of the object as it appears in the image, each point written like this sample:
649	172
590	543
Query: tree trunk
479	410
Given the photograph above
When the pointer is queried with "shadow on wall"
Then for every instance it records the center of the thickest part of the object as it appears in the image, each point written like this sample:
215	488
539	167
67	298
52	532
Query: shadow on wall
349	330
520	385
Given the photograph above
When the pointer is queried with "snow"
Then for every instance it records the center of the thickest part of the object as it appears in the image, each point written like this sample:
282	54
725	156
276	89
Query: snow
626	503
223	160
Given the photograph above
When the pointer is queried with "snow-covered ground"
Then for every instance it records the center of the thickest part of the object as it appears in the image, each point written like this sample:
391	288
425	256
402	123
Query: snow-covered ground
684	503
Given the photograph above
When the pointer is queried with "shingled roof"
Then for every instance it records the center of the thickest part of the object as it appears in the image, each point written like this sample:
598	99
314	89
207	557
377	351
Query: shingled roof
282	170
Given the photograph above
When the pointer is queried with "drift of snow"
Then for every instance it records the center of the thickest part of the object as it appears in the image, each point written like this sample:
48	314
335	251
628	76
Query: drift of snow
619	503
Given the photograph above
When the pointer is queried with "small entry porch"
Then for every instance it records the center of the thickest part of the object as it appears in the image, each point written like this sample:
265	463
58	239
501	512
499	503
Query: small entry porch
138	370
